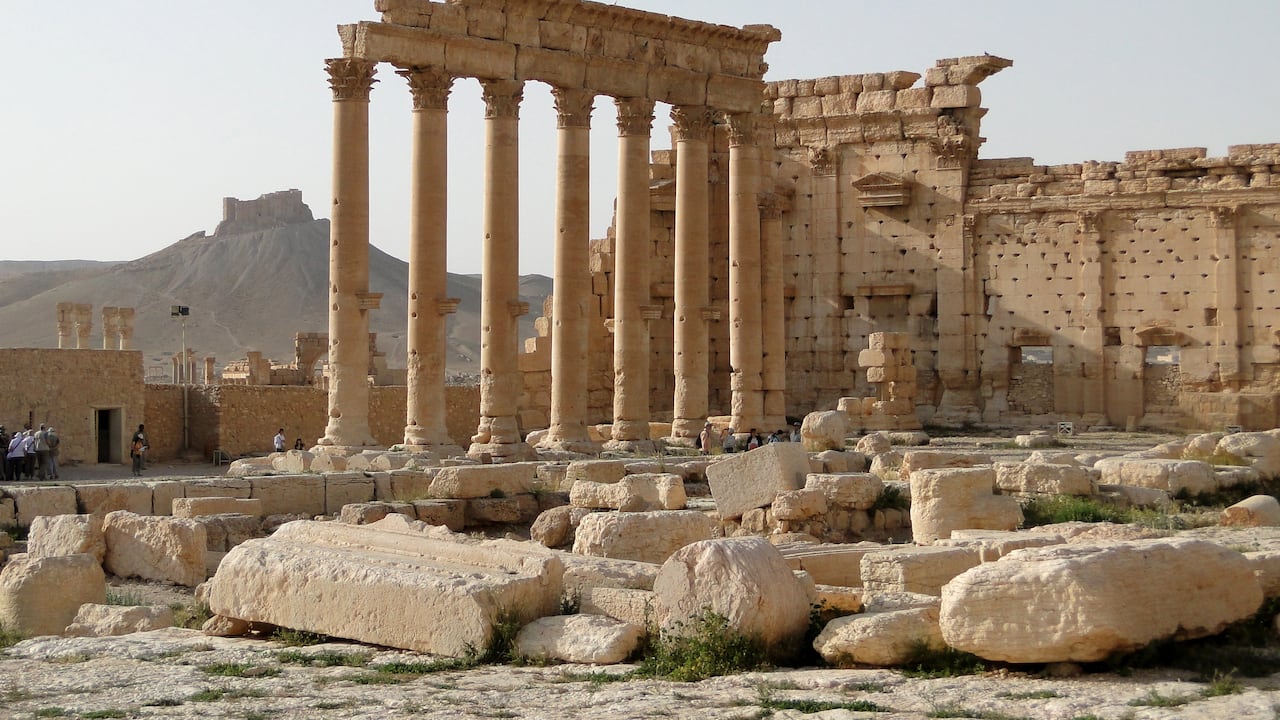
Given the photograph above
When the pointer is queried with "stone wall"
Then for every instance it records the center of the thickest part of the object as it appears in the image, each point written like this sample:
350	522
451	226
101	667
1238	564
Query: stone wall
67	389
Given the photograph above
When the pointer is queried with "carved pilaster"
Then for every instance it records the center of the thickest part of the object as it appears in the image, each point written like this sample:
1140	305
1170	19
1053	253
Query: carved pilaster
351	78
955	146
635	116
502	98
1223	217
742	129
429	86
693	123
573	107
822	160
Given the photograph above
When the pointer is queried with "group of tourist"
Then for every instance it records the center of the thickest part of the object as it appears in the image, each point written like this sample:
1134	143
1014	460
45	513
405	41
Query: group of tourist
30	454
277	442
729	442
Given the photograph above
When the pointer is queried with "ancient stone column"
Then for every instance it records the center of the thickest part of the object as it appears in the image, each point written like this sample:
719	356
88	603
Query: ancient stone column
349	298
425	426
745	339
210	373
692	246
84	325
126	316
177	369
773	309
1093	368
66	323
1233	367
571	302
498	434
631	280
110	327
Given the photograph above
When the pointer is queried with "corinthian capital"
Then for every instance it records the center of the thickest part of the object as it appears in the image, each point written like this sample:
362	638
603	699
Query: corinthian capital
430	87
742	129
573	107
693	123
502	98
635	116
351	78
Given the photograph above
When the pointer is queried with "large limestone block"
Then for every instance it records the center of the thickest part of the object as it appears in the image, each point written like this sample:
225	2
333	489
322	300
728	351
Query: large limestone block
236	487
1256	511
55	535
289	494
195	507
40	596
829	564
920	570
857	490
396	582
995	544
94	620
102	499
873	444
746	580
913	460
555	527
800	504
1046	479
292	462
633	493
879	638
344	488
226	530
949	499
584	572
629	605
646	536
407	485
329	463
745	481
1191	477
587	639
482	481
824	430
451	514
244	467
1260	449
163	493
8	513
167	549
600	471
1122	596
32	502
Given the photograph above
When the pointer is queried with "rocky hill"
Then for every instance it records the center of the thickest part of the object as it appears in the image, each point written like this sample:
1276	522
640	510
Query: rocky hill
254	283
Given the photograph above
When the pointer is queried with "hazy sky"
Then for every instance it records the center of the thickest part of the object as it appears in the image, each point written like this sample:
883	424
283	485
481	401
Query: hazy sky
125	122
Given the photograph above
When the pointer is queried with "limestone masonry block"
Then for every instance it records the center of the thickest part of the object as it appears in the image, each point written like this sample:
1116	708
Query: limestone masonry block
55	535
858	490
829	564
492	511
995	544
644	536
922	570
947	499
194	507
626	604
1046	479
743	481
217	487
408	485
451	514
885	639
40	596
102	499
913	460
601	471
800	504
480	481
591	639
824	430
155	548
289	494
32	502
395	583
94	620
344	488
1172	476
163	494
956	96
1256	511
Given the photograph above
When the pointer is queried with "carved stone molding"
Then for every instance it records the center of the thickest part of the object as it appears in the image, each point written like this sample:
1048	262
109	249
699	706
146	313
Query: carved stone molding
693	123
823	160
635	116
351	78
742	129
502	98
1087	221
573	107
771	206
430	87
1223	217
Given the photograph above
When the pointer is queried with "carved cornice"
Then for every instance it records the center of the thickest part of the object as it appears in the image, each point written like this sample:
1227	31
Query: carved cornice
350	78
635	116
573	107
742	129
502	98
430	87
693	123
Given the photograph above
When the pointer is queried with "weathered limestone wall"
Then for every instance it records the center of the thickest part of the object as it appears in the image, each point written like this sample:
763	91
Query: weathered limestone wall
65	388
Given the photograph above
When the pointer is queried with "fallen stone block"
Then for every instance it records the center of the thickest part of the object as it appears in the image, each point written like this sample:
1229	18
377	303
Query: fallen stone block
226	530
8	513
289	494
838	599
94	620
1131	496
1045	479
745	481
396	583
857	490
824	430
102	499
921	570
407	485
885	639
995	544
1122	596
40	596
344	488
484	481
1261	450
1190	477
745	580
873	444
1266	568
493	511
628	605
155	548
1035	440
584	572
56	535
913	460
555	528
365	513
387	461
1256	511
245	467
947	499
588	639
801	504
632	493
195	507
451	514
32	502
292	462
233	487
829	564
600	471
328	463
646	536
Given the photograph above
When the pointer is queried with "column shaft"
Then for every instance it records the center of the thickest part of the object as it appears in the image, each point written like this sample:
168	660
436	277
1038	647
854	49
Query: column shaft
498	434
773	322
692	248
425	426
570	304
745	339
631	279
349	297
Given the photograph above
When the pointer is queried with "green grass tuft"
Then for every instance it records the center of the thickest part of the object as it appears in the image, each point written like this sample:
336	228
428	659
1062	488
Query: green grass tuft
331	658
240	670
9	638
928	662
706	647
297	638
1155	699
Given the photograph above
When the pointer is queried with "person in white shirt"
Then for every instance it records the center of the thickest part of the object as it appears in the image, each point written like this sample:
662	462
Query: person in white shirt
278	440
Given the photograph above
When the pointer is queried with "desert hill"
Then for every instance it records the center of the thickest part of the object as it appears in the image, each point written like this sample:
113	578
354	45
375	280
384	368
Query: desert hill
257	280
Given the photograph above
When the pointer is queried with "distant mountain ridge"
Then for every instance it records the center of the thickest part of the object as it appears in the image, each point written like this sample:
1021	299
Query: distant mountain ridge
258	280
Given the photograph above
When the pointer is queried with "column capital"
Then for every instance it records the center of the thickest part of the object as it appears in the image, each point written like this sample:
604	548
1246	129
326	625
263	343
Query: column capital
770	206
429	86
1223	217
693	122
823	159
742	129
635	116
351	78
502	98
573	107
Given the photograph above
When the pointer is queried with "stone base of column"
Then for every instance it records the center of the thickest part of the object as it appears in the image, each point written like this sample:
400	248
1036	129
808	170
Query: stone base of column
502	452
439	451
341	450
579	447
634	447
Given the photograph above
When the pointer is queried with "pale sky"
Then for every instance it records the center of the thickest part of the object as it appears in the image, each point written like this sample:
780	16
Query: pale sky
125	122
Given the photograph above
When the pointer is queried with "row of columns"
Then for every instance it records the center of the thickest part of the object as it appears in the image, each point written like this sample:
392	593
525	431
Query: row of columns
497	435
76	319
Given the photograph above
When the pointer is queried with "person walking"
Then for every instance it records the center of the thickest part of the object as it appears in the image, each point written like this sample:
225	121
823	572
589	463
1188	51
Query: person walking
278	440
41	445
54	441
29	454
